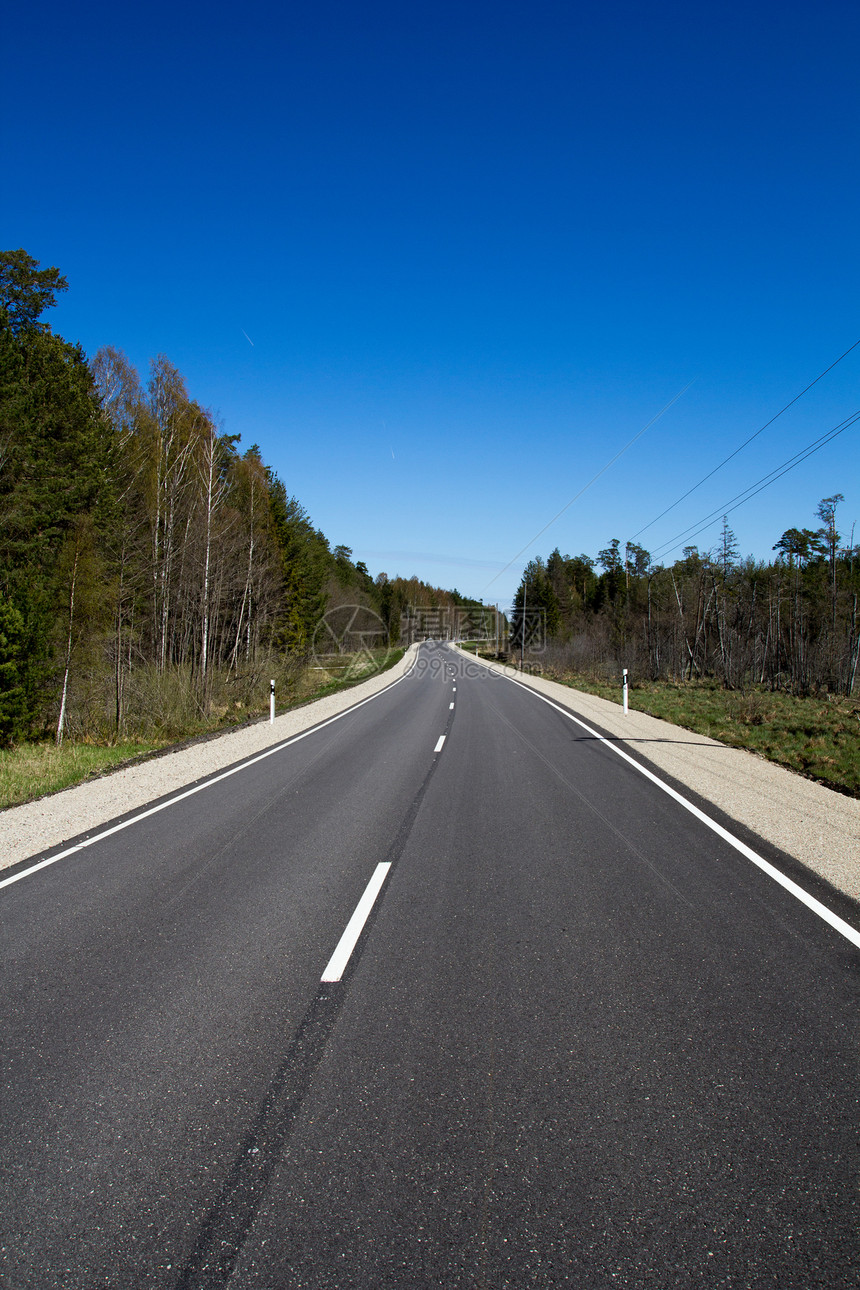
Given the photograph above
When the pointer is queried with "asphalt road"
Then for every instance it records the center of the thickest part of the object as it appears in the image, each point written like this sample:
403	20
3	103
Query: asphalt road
581	1041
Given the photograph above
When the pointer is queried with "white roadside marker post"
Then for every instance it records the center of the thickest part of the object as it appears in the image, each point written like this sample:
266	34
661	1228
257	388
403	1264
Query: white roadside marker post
624	691
271	703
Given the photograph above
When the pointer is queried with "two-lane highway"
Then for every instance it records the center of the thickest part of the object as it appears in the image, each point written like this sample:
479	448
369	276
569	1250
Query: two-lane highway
581	1040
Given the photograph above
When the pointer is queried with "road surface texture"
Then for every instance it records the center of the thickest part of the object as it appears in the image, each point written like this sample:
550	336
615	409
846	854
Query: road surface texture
816	825
581	1039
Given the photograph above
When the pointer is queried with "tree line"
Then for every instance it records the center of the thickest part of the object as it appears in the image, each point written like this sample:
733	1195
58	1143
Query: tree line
789	623
140	548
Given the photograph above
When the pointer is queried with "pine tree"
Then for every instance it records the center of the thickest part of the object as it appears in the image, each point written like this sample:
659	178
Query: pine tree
54	454
14	706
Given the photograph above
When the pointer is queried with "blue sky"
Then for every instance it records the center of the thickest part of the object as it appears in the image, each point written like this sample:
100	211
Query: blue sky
443	262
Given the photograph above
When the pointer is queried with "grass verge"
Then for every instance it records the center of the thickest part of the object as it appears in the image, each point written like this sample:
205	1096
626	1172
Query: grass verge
33	770
818	737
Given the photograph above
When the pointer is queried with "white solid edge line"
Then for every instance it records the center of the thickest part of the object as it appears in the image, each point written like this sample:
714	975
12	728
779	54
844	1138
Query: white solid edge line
198	788
338	961
438	747
837	923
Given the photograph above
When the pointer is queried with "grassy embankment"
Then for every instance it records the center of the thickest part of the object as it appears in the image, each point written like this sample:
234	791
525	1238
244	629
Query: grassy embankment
34	769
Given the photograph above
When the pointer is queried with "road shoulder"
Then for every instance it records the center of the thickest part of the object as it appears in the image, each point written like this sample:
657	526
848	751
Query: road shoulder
815	825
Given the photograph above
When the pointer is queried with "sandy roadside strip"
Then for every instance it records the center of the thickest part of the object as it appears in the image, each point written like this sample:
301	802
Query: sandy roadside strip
35	827
815	825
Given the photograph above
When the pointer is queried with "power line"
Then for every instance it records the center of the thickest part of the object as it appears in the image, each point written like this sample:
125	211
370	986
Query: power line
726	460
759	486
766	480
585	487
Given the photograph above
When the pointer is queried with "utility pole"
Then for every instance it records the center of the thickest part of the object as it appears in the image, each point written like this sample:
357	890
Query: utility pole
523	624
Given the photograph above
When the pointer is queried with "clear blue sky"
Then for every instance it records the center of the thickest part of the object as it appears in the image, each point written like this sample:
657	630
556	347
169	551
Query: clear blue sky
443	261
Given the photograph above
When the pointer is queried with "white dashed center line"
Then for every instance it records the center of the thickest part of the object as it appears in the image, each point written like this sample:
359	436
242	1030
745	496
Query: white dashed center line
438	747
338	961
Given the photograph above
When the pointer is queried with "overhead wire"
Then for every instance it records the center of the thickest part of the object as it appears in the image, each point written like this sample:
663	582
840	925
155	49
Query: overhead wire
746	442
759	486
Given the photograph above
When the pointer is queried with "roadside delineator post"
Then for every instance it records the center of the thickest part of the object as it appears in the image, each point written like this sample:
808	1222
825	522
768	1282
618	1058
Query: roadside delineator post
271	702
624	691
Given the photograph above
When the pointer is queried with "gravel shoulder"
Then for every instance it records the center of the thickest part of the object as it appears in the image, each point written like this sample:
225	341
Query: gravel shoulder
36	827
815	825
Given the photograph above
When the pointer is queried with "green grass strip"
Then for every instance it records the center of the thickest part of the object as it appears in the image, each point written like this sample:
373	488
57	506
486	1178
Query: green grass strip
817	736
